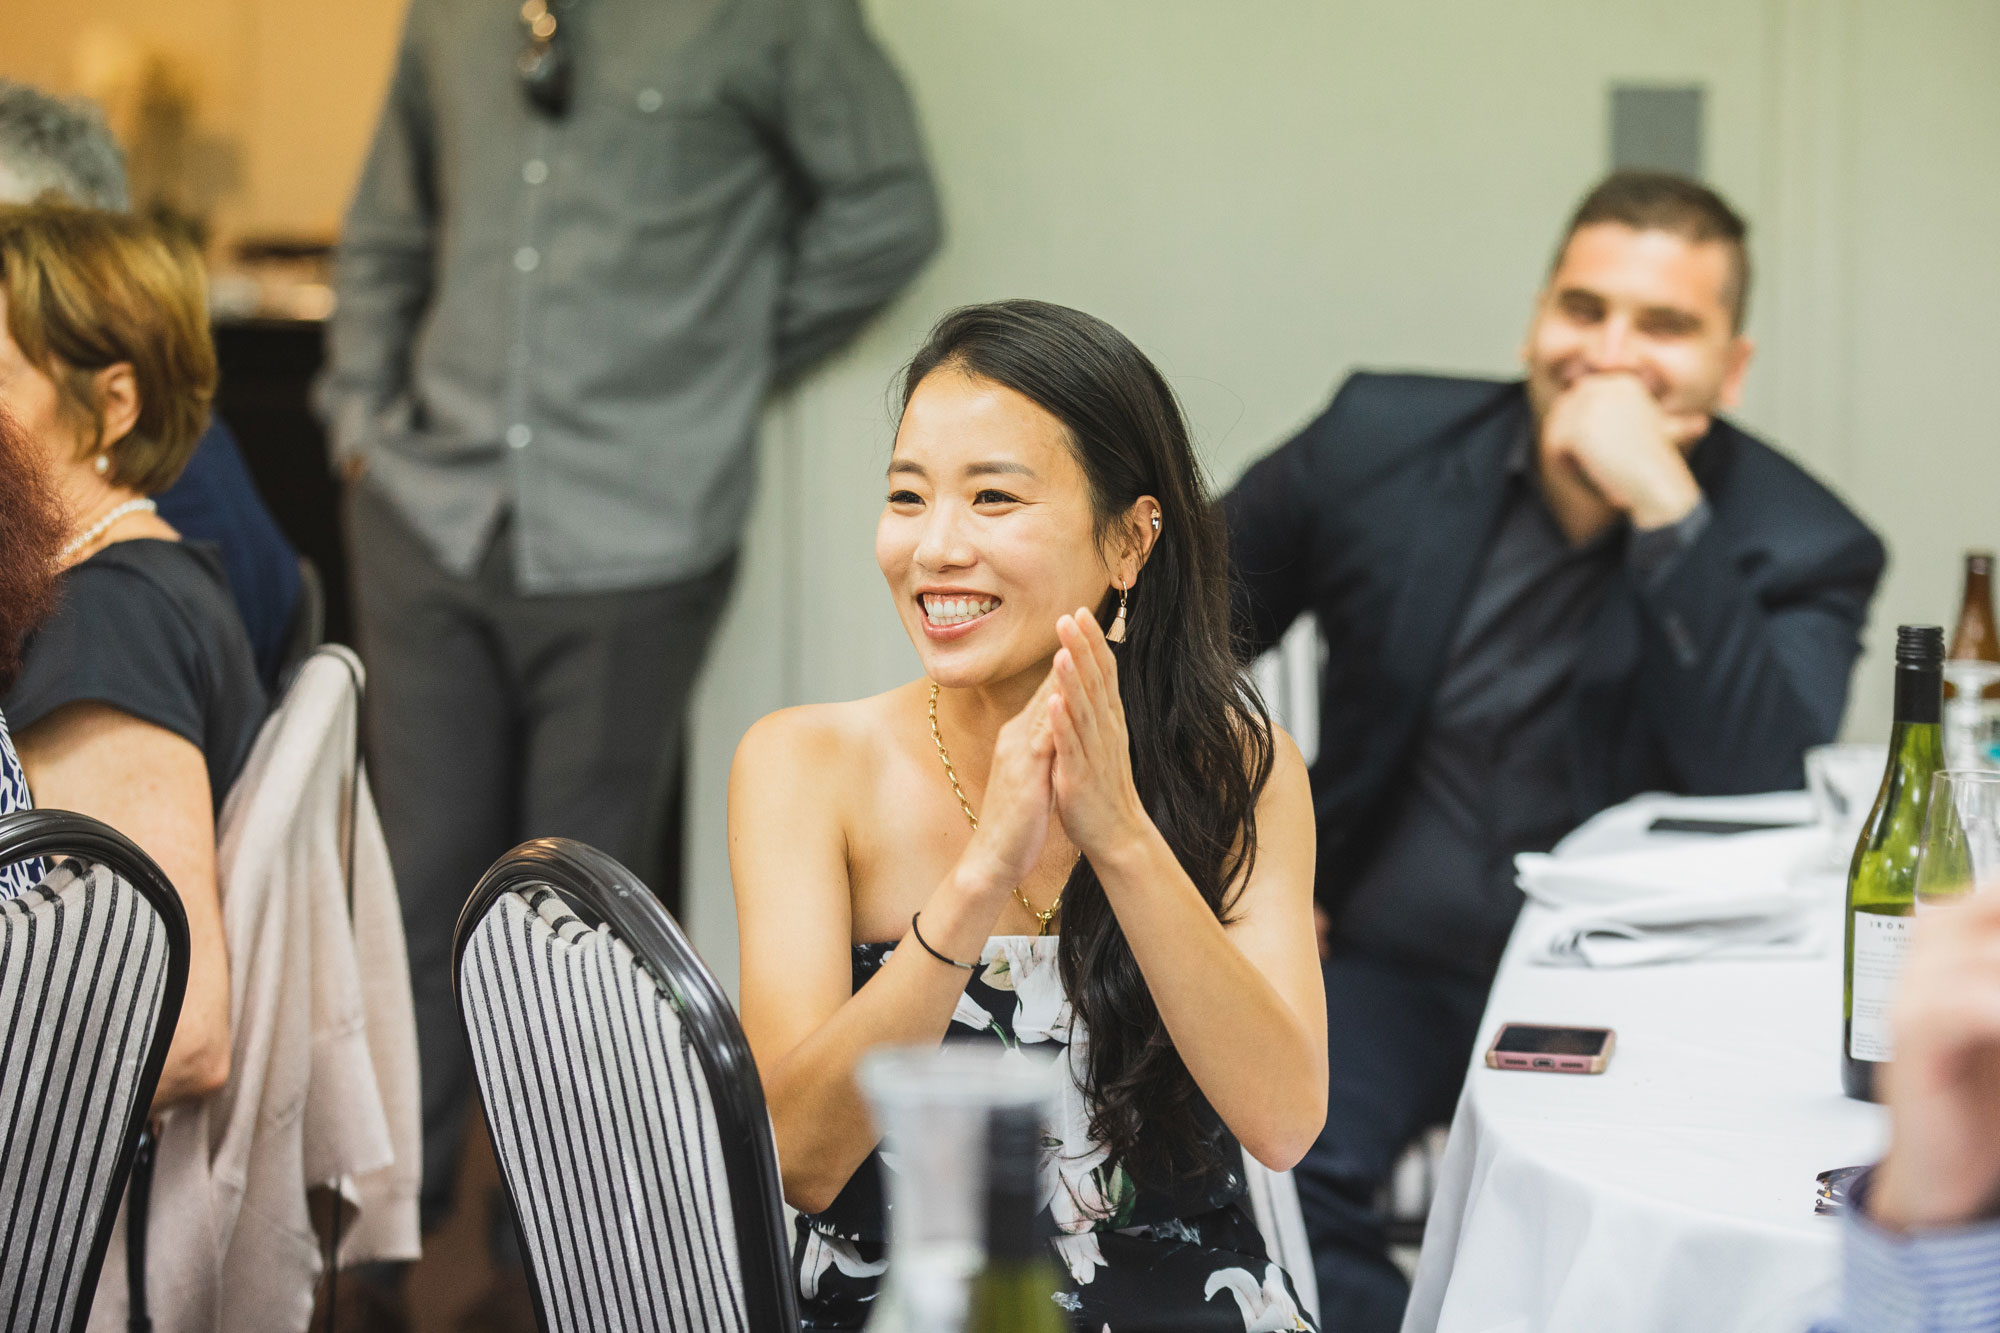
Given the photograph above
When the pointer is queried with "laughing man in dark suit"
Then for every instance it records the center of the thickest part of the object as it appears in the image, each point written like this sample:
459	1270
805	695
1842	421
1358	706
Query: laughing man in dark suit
1540	598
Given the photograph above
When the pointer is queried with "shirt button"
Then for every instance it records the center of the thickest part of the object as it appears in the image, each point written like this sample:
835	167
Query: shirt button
535	172
518	436
527	258
650	100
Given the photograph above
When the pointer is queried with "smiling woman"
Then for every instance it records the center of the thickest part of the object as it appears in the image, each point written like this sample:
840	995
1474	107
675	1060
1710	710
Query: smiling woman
1136	801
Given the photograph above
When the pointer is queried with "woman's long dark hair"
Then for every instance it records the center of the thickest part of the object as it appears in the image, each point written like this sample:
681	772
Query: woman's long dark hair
1201	742
32	529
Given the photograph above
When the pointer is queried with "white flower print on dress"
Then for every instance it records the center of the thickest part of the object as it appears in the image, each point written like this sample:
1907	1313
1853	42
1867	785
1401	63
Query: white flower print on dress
1042	1012
1074	1187
1266	1307
824	1252
1081	1255
973	1014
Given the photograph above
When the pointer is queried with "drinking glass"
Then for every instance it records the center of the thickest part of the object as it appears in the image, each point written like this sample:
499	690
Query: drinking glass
1843	780
934	1106
1961	842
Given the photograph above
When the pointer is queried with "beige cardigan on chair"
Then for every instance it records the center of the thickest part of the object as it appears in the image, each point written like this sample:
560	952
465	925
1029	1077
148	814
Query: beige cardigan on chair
323	1075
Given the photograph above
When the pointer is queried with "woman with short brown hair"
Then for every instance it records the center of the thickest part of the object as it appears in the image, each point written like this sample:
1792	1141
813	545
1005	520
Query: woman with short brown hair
138	700
113	306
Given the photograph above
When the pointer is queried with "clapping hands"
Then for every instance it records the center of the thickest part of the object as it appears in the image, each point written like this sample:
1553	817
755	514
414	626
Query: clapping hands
1066	752
1092	777
1014	826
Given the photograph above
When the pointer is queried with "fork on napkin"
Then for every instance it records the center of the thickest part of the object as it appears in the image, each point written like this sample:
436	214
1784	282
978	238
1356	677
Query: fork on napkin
1738	896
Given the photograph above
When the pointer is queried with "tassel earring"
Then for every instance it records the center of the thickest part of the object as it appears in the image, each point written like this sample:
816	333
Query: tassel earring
1116	634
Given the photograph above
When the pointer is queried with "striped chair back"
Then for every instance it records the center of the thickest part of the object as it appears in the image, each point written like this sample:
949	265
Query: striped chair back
624	1107
93	964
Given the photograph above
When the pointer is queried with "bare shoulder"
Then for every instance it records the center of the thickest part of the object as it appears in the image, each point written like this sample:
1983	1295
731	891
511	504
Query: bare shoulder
1287	759
1284	808
1288	762
817	733
807	734
813	771
837	744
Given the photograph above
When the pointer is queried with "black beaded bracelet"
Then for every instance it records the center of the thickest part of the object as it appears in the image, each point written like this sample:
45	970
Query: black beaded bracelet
933	952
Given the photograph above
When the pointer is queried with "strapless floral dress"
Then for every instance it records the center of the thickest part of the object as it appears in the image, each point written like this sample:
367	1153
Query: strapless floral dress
1135	1259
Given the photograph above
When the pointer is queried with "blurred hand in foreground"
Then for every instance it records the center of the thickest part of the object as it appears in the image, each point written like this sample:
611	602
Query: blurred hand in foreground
1943	1088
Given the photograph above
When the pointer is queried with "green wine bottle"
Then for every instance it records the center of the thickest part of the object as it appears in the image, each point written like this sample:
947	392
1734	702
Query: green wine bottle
1015	1291
1881	883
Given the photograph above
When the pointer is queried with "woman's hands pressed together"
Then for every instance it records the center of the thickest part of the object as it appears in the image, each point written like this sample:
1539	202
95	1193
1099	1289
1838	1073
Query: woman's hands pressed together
1066	752
1095	795
1014	826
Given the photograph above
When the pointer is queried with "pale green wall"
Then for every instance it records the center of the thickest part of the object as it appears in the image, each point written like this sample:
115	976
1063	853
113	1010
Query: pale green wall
1267	193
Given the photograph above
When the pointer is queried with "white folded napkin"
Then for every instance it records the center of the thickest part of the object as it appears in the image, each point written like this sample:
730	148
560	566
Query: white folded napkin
1684	867
1668	930
1691	897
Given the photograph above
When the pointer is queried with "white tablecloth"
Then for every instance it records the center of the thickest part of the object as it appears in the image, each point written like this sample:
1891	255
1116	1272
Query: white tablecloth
1674	1191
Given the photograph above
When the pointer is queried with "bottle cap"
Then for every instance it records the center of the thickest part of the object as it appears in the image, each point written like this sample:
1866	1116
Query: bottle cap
1919	645
1013	1182
1014	1146
1979	561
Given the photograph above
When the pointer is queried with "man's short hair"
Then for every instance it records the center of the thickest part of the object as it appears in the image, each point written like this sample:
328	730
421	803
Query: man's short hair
87	289
1662	201
48	143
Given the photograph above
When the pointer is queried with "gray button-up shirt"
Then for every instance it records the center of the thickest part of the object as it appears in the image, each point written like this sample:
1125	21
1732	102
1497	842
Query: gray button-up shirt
576	320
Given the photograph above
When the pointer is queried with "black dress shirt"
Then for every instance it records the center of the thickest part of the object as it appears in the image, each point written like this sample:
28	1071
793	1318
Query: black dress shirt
1489	774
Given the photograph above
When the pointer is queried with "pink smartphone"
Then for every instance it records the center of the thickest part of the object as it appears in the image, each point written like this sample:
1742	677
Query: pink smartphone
1551	1050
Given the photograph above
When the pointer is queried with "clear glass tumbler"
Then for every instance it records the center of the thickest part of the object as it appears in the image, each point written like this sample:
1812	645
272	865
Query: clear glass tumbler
934	1107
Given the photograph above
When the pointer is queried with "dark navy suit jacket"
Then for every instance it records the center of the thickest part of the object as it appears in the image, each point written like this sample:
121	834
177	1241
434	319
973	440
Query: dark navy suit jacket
215	500
1377	518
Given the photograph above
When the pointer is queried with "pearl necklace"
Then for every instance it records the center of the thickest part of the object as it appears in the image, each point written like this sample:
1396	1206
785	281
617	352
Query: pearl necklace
103	525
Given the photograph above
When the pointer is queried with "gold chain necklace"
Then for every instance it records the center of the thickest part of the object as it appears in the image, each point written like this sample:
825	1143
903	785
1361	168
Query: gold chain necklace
938	738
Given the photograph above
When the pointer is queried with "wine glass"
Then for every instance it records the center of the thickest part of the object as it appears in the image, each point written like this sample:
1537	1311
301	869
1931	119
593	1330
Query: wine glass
1961	843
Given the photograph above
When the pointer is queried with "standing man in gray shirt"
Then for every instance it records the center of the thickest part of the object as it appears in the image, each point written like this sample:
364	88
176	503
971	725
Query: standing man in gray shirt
589	236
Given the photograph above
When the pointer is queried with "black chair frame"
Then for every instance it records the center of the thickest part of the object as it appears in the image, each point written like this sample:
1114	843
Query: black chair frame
58	835
602	892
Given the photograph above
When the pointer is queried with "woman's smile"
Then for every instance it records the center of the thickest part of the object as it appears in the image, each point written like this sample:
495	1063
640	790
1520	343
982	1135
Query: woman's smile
952	613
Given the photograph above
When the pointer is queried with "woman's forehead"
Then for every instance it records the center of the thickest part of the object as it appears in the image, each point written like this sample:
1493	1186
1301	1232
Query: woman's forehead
958	424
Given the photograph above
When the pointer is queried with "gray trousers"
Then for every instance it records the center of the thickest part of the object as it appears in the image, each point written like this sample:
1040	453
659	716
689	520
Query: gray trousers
494	717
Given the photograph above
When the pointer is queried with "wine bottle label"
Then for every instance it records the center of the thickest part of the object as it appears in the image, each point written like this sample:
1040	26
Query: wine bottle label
1879	944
